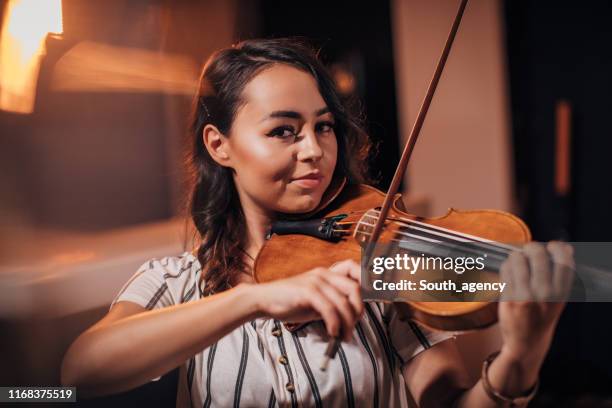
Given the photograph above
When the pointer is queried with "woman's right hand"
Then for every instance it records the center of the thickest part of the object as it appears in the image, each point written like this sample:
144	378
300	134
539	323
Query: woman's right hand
329	294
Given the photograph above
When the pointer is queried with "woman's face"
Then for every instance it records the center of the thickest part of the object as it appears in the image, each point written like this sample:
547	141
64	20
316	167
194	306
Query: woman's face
282	145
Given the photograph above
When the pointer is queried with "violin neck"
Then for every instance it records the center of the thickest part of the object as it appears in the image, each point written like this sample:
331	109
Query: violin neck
591	284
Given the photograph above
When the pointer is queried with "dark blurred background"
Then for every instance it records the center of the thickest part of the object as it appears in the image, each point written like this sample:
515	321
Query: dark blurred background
562	51
94	110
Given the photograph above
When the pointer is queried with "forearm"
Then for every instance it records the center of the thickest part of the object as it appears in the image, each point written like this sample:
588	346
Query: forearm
133	350
509	375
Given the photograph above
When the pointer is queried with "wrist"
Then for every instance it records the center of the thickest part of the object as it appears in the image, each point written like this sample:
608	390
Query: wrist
253	295
525	366
248	295
531	356
513	394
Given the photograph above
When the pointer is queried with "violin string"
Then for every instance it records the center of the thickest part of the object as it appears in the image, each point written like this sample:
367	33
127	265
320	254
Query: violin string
497	257
409	222
467	237
485	245
351	213
435	230
437	241
503	250
451	243
441	235
441	239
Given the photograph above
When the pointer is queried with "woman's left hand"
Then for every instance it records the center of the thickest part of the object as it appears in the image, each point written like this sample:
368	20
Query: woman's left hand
539	279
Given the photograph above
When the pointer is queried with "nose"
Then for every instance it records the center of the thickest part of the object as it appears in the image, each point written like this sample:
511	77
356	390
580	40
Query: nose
309	147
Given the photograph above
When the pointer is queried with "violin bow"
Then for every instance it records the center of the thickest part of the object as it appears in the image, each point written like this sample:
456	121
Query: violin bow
332	347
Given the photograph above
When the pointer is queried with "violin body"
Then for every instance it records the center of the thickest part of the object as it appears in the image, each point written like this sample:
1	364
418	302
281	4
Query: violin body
289	254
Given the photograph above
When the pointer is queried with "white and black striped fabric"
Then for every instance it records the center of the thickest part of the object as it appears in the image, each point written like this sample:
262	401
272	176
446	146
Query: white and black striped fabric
262	364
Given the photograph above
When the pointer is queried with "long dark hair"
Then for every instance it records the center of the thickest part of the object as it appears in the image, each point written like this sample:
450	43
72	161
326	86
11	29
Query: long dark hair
213	203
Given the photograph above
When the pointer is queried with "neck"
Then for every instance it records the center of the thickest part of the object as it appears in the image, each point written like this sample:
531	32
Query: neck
257	224
258	221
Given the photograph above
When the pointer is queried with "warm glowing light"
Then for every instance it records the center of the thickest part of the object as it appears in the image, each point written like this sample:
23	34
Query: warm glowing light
95	67
22	43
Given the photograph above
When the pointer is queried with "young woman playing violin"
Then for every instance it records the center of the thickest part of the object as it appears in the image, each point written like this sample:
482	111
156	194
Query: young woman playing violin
269	135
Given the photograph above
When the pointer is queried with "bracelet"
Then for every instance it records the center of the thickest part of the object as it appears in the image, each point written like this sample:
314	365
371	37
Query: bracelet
499	398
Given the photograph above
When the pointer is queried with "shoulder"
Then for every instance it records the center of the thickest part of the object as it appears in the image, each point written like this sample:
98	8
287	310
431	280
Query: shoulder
170	269
160	282
172	264
179	273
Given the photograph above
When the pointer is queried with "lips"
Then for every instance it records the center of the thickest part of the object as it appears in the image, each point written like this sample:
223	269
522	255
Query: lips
308	181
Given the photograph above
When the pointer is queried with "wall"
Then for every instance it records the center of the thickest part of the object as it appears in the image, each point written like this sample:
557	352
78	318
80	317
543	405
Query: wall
462	158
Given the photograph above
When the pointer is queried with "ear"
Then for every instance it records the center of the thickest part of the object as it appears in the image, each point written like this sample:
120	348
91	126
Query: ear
216	144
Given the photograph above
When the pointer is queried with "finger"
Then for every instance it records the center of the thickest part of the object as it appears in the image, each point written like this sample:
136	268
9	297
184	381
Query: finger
350	288
326	310
520	276
505	275
342	306
564	266
348	268
540	269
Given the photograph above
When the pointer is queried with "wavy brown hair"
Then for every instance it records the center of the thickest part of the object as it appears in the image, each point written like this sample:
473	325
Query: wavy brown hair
214	205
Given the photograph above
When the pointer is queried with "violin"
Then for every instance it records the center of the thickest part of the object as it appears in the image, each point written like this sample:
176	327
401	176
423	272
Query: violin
342	227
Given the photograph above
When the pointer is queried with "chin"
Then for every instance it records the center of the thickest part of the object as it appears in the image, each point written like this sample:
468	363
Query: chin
303	204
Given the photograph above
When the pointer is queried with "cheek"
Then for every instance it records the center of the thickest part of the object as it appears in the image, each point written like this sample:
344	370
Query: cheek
257	160
330	149
333	151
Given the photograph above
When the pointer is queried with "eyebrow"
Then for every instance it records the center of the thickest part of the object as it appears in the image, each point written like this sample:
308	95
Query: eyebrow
293	114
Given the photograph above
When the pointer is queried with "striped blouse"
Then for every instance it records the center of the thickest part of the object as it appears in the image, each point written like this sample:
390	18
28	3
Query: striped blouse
262	364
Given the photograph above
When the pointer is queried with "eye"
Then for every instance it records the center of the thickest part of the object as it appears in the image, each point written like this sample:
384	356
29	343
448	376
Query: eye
325	127
282	132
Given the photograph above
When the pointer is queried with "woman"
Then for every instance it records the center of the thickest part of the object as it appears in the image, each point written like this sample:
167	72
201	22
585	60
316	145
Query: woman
269	135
